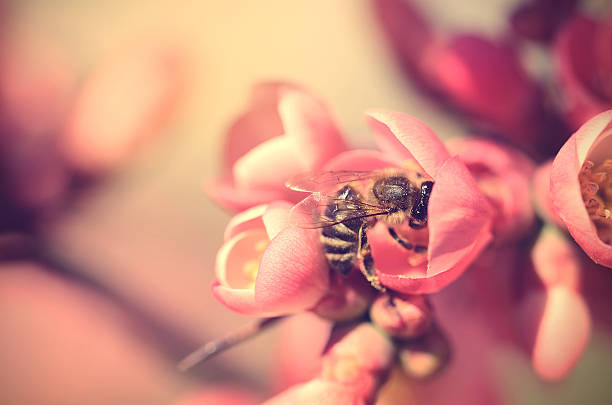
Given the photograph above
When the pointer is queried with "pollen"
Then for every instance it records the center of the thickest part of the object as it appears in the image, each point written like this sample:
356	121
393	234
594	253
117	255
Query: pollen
250	267
596	188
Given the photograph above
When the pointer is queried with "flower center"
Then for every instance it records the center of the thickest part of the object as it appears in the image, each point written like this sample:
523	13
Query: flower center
251	266
596	187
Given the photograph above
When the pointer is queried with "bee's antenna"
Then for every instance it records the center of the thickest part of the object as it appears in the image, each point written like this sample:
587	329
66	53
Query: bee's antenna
212	348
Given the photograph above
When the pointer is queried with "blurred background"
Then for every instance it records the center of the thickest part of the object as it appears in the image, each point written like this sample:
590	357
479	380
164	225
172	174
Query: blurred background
129	294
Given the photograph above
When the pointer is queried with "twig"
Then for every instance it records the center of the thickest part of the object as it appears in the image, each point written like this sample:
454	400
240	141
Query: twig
211	349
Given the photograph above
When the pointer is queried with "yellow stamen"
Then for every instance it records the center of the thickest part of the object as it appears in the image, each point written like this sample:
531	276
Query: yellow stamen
251	266
596	189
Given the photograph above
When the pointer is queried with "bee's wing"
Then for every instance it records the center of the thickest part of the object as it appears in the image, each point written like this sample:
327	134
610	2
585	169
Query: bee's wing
327	181
310	212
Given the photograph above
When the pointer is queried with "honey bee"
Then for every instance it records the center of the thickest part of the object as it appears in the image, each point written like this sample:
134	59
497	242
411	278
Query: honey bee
343	213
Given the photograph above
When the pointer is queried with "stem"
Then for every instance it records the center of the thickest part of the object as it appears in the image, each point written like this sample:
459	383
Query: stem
211	349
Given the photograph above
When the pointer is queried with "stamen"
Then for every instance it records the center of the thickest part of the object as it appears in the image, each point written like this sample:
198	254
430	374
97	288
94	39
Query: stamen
596	188
251	266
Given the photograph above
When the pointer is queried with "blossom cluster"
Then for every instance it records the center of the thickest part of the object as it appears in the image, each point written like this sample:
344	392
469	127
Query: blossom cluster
508	203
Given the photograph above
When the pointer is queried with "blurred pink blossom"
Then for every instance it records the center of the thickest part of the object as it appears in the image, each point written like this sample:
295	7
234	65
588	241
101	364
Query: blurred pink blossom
559	323
126	100
353	369
267	268
502	174
283	125
580	187
584	67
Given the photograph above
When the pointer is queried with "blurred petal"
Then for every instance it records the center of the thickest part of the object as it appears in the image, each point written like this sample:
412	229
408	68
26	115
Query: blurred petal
562	335
555	260
126	100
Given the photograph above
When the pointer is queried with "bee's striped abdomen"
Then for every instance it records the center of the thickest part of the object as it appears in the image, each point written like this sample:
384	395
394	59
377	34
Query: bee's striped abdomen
340	241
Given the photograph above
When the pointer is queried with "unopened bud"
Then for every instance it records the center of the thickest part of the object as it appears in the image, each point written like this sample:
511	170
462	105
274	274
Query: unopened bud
401	316
426	356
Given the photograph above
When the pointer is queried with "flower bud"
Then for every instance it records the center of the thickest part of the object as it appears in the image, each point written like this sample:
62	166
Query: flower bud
424	357
402	316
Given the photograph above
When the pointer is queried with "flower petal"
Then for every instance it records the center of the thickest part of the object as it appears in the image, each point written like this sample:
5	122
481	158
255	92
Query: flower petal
307	121
276	217
460	217
257	124
420	141
226	194
243	221
563	332
293	274
269	164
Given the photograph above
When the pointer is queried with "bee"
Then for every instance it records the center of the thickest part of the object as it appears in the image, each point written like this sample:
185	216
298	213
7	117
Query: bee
344	214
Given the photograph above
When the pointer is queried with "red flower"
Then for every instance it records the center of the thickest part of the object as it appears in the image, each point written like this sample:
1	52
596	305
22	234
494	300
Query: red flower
584	67
581	188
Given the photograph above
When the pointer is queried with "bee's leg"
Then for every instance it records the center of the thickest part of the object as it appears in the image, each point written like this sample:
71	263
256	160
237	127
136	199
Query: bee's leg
364	252
405	244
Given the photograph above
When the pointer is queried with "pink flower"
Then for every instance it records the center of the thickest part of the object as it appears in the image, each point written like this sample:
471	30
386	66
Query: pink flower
503	175
352	371
125	101
581	190
405	317
266	268
584	67
284	132
460	218
558	317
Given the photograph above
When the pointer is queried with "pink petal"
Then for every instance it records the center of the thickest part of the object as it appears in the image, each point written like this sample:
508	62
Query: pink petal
269	164
565	188
125	101
468	70
293	274
233	255
257	124
420	142
243	221
576	65
460	217
503	175
555	260
226	194
276	217
308	122
406	28
563	332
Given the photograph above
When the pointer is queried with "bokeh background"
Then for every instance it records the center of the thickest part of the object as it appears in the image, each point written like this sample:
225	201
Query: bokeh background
137	250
